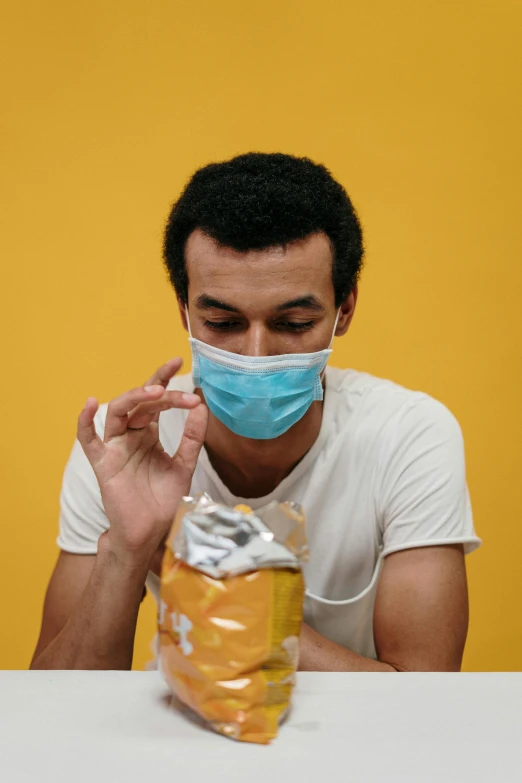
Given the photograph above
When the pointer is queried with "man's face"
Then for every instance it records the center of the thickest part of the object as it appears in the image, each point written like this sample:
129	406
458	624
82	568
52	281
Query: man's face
261	302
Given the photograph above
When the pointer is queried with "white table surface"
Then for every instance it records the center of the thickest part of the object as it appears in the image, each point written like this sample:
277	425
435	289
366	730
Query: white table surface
120	726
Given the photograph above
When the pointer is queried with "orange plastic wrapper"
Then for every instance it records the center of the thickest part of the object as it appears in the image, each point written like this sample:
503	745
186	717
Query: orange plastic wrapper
230	613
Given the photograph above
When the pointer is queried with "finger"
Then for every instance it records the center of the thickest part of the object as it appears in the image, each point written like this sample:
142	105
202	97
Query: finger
118	409
89	439
164	373
147	412
193	437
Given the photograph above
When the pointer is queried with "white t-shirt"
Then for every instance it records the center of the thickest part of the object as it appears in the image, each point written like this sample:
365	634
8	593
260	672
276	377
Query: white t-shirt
386	473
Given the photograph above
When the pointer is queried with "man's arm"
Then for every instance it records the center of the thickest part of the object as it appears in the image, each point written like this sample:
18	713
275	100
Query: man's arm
69	579
420	617
90	613
92	602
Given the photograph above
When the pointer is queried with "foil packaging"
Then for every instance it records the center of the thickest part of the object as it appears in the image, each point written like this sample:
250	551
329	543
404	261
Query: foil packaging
221	541
231	605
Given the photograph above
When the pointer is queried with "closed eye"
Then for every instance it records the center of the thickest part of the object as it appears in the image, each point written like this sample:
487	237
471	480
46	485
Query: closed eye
222	326
294	326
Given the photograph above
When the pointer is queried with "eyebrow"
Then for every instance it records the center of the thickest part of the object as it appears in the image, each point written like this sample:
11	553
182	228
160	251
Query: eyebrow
209	303
308	302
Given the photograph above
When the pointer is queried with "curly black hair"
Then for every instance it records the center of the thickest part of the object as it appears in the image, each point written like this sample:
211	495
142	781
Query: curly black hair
262	200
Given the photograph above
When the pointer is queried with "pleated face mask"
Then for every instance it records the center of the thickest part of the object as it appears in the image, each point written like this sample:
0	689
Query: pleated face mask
258	397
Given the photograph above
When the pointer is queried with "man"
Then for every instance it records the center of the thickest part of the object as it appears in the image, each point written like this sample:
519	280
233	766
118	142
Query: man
264	252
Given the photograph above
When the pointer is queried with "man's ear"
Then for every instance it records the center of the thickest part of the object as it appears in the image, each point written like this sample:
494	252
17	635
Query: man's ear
183	313
347	312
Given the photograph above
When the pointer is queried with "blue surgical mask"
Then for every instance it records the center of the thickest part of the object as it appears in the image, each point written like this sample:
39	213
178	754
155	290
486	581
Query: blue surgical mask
258	397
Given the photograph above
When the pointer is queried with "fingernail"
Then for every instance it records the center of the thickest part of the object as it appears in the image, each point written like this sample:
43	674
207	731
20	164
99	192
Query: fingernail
189	397
153	389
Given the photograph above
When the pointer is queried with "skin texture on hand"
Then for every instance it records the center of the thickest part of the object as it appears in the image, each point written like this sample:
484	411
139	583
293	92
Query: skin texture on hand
319	654
140	484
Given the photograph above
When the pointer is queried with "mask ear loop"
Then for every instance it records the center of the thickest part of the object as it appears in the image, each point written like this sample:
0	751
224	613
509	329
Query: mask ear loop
188	322
195	356
320	378
335	327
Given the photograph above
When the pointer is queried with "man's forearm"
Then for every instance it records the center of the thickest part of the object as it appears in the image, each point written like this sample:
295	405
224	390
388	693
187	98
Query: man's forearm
100	632
319	654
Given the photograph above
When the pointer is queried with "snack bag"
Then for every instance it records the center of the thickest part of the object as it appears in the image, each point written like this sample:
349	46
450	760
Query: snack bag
230	613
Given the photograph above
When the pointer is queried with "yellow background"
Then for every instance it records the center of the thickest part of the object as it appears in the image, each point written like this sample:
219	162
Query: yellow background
108	107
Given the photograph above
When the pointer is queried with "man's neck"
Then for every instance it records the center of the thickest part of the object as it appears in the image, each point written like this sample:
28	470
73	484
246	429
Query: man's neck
254	468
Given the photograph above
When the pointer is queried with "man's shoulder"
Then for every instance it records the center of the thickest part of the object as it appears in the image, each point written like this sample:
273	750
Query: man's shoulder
353	385
380	402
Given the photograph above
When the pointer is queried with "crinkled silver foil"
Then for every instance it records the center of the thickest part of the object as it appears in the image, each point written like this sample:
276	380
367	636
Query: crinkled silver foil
220	541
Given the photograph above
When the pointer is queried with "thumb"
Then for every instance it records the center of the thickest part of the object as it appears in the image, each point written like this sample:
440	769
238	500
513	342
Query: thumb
90	441
193	437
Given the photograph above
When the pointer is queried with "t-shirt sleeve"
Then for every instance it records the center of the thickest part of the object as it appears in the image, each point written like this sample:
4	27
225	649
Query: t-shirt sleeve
424	494
82	516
